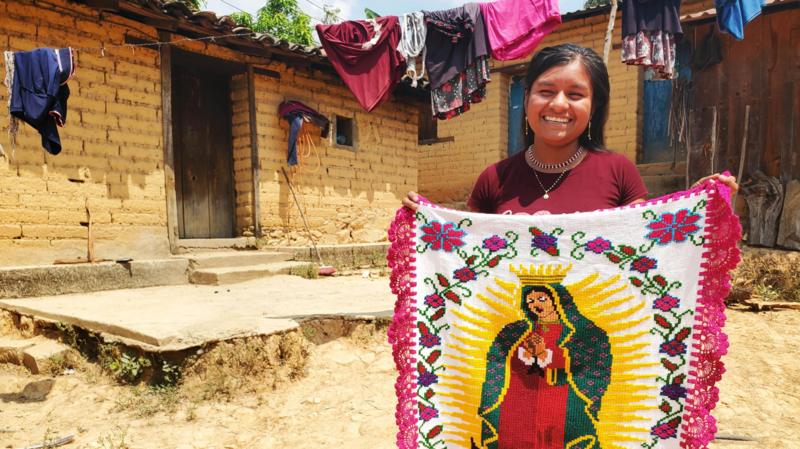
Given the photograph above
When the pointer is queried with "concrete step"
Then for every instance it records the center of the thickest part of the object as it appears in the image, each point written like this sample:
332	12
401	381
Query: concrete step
36	353
229	275
201	261
185	246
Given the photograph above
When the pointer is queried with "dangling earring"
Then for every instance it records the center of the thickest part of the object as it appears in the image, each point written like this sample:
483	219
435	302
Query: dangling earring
526	125
589	131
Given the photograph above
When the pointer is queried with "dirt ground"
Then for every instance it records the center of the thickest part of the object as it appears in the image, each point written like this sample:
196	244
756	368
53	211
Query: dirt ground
344	397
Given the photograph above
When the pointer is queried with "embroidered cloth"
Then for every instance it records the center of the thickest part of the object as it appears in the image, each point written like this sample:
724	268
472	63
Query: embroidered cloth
593	330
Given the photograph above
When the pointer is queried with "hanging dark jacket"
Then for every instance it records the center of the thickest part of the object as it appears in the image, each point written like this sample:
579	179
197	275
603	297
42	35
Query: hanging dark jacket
39	91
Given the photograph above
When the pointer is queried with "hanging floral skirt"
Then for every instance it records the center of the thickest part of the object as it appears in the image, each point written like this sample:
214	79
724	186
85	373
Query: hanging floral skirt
652	49
454	97
587	330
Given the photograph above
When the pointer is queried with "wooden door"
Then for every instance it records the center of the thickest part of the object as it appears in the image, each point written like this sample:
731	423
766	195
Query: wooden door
657	104
516	114
203	153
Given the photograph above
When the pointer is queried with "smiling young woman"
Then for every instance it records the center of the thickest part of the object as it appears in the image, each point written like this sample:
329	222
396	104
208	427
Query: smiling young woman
566	167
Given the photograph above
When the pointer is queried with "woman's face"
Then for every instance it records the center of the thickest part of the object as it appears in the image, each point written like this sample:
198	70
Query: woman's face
541	304
559	104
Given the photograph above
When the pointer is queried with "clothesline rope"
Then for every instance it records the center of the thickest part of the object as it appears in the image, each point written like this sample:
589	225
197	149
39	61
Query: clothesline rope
159	44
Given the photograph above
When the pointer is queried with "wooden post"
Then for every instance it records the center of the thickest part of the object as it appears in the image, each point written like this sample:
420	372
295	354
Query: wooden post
714	141
742	152
612	19
255	165
165	53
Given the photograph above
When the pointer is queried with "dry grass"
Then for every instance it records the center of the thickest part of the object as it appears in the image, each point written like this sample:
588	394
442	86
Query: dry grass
767	275
245	365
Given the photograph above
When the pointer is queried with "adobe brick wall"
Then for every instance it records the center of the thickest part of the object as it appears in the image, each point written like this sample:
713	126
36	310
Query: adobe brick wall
448	170
113	156
348	194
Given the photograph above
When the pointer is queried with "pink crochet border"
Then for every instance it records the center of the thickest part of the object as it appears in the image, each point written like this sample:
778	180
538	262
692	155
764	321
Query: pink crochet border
721	255
402	335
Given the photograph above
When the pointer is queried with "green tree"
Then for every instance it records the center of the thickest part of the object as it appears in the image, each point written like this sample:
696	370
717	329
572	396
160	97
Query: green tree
280	18
595	3
195	4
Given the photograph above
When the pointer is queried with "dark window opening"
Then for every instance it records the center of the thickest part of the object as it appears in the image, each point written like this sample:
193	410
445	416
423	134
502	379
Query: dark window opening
344	131
427	126
427	129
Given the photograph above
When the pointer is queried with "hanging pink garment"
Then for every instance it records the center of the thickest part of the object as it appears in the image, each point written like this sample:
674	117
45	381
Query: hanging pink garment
515	27
364	54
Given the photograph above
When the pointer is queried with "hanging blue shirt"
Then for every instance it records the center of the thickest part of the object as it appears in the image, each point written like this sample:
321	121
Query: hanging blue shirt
39	92
733	15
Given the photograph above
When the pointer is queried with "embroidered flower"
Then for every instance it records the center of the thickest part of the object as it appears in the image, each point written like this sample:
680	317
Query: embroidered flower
643	264
673	348
666	303
434	300
465	274
495	243
427	378
546	242
429	340
673	391
598	245
427	413
443	236
673	227
665	431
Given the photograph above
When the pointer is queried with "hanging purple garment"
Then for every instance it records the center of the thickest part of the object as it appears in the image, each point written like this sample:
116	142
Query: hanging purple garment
296	113
456	39
651	15
295	107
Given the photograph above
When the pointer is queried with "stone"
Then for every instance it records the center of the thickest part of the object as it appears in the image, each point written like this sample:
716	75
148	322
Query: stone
343	236
37	358
11	350
370	235
38	391
789	232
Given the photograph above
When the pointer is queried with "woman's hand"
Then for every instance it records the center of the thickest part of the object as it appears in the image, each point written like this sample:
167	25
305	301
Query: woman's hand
728	181
411	201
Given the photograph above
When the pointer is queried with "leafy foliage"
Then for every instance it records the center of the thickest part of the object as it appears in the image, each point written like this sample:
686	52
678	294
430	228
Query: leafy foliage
281	18
196	5
595	3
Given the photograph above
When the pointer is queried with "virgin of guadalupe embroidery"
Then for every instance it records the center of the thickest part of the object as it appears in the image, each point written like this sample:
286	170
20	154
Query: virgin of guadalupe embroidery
598	330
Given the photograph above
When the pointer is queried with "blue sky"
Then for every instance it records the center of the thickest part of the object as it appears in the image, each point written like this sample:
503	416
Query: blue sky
354	9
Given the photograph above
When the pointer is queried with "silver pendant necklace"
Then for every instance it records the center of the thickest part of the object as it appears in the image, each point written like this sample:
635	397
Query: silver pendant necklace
547	191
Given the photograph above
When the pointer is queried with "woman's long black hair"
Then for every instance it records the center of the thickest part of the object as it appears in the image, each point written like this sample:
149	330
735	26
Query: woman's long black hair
563	54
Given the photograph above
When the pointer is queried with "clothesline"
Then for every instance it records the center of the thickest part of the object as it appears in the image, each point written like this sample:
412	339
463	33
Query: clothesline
158	44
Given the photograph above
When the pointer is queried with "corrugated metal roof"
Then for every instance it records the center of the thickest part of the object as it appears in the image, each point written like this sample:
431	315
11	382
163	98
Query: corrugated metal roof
711	13
588	12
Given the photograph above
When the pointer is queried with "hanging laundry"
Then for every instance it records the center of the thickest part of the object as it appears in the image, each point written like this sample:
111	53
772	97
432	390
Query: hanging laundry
515	27
454	97
650	29
733	15
296	113
654	50
412	43
457	58
39	92
364	54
